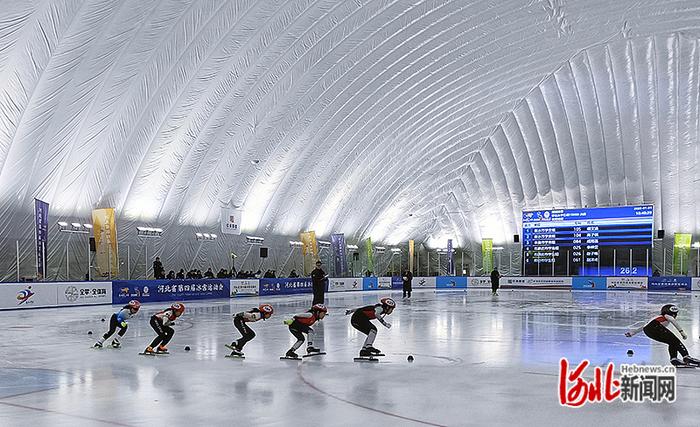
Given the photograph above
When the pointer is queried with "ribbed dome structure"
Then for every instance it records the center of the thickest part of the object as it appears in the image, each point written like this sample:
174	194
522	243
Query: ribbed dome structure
342	116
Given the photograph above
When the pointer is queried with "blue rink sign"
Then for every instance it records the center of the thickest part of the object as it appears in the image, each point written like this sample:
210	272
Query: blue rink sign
451	282
285	286
169	290
590	283
670	283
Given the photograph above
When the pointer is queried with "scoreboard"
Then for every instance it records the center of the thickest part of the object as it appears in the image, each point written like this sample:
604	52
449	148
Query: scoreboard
611	241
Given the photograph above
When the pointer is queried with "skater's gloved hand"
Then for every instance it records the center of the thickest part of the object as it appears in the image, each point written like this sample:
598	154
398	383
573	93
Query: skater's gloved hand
123	324
685	337
288	322
388	325
627	334
348	312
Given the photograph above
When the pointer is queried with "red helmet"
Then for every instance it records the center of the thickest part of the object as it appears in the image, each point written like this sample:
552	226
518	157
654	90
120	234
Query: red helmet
178	308
388	303
319	308
134	305
266	310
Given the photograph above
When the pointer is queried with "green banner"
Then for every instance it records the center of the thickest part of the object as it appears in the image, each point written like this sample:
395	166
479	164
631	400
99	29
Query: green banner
681	253
487	255
370	255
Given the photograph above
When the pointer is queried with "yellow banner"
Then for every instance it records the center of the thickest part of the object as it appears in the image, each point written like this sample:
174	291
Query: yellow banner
411	250
487	255
309	250
105	230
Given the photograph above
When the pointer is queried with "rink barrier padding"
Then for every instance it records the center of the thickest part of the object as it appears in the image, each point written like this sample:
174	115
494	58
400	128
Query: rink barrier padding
61	294
15	296
169	290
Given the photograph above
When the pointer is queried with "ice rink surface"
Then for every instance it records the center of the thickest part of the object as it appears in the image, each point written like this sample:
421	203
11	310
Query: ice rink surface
479	361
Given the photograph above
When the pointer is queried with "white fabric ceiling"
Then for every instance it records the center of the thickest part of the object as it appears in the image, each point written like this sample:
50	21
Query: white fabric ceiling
459	112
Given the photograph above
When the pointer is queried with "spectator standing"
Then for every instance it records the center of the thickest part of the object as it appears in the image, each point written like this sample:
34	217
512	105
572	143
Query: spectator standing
158	270
180	274
495	278
407	278
293	274
171	275
318	281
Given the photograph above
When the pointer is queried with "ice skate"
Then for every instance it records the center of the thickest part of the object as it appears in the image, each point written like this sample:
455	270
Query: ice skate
691	361
148	351
116	343
291	355
374	351
313	351
162	350
366	356
678	363
234	349
98	345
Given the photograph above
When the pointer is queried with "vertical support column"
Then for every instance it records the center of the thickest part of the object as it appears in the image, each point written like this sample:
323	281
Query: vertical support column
614	262
128	262
17	242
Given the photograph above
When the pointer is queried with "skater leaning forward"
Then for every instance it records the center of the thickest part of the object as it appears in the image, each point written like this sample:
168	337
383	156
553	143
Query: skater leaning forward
657	329
241	320
118	320
300	325
161	323
360	320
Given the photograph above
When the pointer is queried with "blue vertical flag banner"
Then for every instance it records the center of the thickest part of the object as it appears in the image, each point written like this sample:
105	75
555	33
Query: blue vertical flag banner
41	227
339	253
450	259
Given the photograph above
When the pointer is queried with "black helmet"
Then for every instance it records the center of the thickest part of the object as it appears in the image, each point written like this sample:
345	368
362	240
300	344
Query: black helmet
670	309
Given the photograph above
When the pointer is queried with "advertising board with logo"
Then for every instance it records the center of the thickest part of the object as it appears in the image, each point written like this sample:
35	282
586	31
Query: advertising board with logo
244	287
670	283
627	282
696	283
370	283
285	286
590	283
424	282
451	282
169	290
479	282
27	295
384	282
345	284
84	293
396	282
537	282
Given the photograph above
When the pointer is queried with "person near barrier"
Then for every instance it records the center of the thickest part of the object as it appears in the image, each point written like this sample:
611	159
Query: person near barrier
301	324
495	281
118	321
162	322
657	329
241	320
407	279
318	282
361	320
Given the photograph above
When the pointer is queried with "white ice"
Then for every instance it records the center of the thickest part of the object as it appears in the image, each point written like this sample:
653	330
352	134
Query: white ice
478	361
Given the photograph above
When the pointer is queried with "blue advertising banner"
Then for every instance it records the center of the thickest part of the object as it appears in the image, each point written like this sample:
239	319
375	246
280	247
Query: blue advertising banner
589	283
396	282
450	259
339	253
286	286
670	283
41	236
453	282
370	283
169	290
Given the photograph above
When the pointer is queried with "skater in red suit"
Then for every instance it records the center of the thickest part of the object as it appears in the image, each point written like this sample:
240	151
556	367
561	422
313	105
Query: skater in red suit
360	320
161	322
301	324
241	320
658	330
